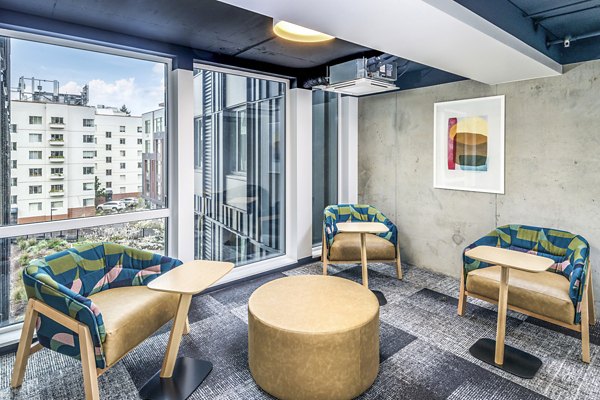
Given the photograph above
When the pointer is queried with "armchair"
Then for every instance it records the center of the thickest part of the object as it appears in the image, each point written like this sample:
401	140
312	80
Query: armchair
563	295
91	302
344	248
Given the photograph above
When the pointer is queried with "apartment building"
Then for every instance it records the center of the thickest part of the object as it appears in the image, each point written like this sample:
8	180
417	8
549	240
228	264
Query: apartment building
60	145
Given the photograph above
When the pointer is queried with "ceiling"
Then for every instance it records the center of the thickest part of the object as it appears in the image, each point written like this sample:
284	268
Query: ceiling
246	37
200	24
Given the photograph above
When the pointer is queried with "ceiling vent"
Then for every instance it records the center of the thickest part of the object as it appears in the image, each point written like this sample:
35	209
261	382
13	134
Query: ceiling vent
358	78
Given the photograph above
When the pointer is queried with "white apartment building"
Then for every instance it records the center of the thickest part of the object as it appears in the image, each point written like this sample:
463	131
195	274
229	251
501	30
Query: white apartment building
57	151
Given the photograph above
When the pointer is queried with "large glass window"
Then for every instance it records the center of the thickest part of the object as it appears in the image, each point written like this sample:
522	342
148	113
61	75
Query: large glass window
64	116
239	167
325	160
56	128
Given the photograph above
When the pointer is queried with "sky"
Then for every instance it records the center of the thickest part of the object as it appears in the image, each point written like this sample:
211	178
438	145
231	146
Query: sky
113	80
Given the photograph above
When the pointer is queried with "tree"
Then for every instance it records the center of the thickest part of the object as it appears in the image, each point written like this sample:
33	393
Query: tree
125	110
100	191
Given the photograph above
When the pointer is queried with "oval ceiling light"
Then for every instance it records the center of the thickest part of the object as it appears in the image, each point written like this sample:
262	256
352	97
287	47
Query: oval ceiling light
297	33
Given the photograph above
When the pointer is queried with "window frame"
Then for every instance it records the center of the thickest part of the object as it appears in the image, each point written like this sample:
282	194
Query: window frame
10	334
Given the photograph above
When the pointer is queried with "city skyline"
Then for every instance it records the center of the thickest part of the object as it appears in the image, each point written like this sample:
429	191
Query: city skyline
113	80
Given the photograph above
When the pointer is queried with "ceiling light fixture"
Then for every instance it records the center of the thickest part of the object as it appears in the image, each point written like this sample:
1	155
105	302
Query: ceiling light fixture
297	33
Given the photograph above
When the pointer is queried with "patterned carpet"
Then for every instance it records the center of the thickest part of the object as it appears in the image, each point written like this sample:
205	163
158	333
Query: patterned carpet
424	349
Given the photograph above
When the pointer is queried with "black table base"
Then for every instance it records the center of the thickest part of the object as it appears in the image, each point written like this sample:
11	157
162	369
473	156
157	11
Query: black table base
516	362
187	376
380	297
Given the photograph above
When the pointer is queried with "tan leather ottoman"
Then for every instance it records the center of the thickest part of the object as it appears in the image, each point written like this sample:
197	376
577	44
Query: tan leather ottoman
313	337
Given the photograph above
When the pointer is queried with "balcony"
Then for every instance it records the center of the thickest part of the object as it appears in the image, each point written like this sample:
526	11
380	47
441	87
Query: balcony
57	177
57	159
56	125
56	142
57	192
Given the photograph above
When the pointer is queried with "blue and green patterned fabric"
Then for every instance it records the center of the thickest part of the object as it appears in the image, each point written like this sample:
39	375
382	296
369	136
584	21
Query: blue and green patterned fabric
355	213
570	253
65	280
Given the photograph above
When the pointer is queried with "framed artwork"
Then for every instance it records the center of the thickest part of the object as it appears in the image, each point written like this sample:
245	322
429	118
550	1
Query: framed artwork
468	145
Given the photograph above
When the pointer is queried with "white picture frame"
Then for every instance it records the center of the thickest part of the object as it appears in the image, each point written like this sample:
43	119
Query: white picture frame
472	160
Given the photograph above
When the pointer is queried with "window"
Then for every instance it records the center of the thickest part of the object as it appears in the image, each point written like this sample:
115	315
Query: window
108	172
158	124
108	160
108	135
34	207
139	129
249	115
147	126
139	141
122	128
35	189
108	147
122	141
35	138
14	146
139	165
147	146
123	177
123	189
122	165
35	172
74	67
122	153
108	185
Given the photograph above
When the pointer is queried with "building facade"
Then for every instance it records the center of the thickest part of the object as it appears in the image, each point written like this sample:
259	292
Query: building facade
63	152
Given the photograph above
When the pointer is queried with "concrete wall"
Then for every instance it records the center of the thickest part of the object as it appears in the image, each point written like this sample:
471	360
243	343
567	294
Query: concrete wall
552	173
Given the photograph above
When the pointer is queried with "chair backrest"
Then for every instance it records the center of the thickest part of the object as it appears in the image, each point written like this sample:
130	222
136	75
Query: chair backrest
569	251
91	268
355	213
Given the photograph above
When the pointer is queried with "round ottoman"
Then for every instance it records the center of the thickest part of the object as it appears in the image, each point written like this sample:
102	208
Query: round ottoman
313	337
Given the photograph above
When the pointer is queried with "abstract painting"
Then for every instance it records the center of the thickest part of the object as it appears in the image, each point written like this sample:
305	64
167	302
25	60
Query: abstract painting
469	145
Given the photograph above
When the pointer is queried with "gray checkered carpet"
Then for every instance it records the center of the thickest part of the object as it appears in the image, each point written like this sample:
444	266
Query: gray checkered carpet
424	349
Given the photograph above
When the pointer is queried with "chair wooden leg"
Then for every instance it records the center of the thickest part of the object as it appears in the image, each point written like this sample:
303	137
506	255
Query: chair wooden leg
590	293
462	297
585	330
88	363
186	328
398	262
24	346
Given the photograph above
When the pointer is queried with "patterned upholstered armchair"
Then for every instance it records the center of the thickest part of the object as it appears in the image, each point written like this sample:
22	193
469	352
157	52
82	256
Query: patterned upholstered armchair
91	303
344	248
563	295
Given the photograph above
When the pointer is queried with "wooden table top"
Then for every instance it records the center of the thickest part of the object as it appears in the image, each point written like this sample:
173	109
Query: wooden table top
362	227
192	277
510	258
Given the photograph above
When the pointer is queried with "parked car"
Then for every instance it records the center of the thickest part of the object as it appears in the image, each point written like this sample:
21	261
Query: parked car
111	206
129	201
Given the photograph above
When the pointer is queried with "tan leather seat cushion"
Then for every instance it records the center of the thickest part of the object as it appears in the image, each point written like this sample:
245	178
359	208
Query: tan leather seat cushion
544	293
313	337
346	247
131	315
